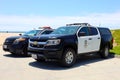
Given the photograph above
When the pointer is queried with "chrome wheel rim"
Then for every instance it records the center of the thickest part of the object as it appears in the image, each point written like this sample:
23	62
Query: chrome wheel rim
69	57
106	51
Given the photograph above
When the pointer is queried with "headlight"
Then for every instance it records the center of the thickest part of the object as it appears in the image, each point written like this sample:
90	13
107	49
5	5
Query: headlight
19	40
6	40
53	42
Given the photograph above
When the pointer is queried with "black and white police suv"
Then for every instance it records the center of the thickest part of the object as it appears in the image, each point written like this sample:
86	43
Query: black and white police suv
67	42
19	44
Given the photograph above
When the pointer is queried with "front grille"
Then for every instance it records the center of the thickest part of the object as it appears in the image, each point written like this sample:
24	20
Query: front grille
37	45
39	40
9	41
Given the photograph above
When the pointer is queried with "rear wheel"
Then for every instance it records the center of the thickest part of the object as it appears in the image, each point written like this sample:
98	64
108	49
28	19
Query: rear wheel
40	60
105	52
68	58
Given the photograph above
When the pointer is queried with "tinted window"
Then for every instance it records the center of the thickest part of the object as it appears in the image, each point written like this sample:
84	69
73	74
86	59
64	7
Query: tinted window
68	30
85	29
93	31
47	32
32	33
104	31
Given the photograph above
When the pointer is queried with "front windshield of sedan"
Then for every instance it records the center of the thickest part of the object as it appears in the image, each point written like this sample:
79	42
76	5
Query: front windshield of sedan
66	30
32	33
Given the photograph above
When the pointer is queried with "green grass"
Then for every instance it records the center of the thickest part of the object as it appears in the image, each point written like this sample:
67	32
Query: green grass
116	35
116	50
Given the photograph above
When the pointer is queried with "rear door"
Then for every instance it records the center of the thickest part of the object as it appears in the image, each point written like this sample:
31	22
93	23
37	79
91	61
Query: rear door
94	39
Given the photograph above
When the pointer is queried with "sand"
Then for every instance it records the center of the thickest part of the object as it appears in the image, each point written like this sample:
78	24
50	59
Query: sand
3	36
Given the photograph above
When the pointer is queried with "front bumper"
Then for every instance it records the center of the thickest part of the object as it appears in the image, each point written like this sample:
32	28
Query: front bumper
18	48
45	53
6	46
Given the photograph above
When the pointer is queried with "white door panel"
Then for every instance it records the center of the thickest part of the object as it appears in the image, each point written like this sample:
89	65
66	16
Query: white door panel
83	44
89	43
95	43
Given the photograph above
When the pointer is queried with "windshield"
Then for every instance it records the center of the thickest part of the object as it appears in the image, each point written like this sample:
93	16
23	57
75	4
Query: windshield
66	30
32	33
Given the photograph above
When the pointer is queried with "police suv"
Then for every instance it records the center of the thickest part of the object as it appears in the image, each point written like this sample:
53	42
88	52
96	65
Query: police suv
66	43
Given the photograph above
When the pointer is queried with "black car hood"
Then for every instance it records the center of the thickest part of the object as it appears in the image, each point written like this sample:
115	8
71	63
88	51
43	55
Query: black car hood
50	36
13	37
55	36
44	38
16	37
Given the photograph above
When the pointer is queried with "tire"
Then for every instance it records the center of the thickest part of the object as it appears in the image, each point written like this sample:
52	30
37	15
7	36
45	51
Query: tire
24	52
105	52
40	60
68	58
12	53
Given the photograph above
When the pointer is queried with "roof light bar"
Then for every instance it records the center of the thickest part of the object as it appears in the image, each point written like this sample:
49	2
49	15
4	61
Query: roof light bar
78	24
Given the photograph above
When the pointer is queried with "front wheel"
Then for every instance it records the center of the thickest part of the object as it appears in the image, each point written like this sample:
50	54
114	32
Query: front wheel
105	52
12	53
68	58
24	52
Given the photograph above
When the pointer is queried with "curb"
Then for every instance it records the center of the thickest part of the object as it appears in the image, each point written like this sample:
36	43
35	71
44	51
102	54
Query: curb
114	55
117	56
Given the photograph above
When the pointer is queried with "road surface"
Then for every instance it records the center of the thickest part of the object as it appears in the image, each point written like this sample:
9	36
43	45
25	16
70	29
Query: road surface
86	68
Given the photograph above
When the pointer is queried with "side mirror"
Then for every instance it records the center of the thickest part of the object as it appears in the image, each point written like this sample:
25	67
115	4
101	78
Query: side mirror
81	34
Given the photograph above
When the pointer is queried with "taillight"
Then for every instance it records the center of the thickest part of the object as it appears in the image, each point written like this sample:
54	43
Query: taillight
112	40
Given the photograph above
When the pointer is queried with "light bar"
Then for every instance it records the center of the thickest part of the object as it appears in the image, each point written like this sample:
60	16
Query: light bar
78	24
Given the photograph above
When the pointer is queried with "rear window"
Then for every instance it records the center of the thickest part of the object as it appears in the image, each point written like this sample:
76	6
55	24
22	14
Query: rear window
104	31
93	31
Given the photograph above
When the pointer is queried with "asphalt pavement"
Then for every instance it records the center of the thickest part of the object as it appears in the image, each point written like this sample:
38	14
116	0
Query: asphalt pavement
86	68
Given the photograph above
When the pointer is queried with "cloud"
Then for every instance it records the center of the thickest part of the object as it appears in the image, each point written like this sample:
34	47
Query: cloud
11	22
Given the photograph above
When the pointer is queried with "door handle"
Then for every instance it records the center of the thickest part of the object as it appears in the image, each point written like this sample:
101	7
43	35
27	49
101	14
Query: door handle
90	38
98	37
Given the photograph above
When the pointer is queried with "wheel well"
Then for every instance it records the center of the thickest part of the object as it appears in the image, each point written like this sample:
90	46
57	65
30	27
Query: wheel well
108	44
72	47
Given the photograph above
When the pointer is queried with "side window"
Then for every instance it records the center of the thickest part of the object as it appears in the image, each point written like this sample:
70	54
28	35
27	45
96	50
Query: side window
46	32
93	31
84	30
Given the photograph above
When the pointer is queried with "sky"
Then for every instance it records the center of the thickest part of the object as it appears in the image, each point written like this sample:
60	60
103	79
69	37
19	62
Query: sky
24	15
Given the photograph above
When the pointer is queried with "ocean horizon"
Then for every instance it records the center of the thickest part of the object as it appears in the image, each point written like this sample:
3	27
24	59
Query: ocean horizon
12	31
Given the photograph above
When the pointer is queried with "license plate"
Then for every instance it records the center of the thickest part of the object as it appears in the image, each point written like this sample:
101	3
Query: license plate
5	46
34	56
